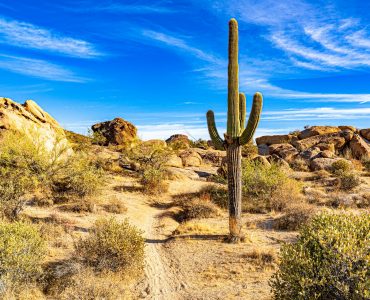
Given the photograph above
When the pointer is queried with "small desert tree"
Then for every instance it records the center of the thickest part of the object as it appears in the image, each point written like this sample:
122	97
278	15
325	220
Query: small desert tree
237	134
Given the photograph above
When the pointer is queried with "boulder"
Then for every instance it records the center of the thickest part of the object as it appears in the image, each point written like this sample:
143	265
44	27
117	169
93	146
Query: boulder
338	139
174	161
275	139
310	153
263	149
155	143
346	127
180	139
181	174
262	160
285	151
30	119
317	130
365	133
190	158
326	147
211	156
326	154
116	132
322	164
278	161
359	147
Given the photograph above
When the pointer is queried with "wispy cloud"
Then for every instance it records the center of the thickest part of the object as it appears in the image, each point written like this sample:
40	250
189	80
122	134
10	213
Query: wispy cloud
26	35
38	68
134	9
180	44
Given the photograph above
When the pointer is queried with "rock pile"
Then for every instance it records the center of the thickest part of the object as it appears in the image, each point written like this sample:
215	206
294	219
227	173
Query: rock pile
317	146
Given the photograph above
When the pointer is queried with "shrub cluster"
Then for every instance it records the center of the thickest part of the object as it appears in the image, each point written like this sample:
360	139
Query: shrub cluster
112	246
330	260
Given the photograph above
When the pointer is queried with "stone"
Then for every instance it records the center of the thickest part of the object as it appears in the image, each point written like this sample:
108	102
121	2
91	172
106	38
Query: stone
326	154
317	130
116	132
174	161
190	158
262	160
213	157
181	174
285	151
310	153
338	139
154	143
278	161
30	119
365	133
275	139
322	164
359	147
179	141
346	127
263	149
326	147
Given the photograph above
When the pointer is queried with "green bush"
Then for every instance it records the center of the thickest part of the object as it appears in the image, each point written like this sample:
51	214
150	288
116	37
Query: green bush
153	180
341	166
330	260
217	194
113	246
267	188
22	251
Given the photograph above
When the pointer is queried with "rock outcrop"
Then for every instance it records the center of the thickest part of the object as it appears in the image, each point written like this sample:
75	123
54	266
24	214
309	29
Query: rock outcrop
317	146
30	119
116	132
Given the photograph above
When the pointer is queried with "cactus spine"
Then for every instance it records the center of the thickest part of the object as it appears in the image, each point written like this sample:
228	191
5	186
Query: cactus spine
237	134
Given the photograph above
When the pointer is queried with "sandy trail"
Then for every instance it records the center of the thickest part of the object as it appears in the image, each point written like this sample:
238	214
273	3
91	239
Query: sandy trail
162	279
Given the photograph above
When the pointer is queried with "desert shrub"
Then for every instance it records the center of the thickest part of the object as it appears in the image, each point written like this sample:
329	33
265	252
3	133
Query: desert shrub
80	206
330	260
366	163
154	180
341	166
97	137
115	206
78	141
249	150
200	143
14	185
267	188
113	246
197	209
217	194
300	165
21	253
80	178
349	181
295	216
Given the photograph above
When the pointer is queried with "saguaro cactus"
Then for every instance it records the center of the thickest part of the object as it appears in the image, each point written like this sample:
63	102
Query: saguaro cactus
237	134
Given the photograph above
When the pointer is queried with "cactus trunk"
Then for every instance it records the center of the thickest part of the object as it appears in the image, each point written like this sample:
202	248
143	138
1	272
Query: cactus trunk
236	135
234	165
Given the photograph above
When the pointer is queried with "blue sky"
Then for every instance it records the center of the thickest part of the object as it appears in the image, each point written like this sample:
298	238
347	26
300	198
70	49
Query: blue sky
163	64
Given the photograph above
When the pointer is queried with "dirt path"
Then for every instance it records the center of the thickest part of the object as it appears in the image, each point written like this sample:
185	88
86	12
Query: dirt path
162	280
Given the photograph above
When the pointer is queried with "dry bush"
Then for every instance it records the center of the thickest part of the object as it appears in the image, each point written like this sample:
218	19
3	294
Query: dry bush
341	166
217	194
87	205
200	143
300	165
295	216
330	260
267	188
197	209
261	256
154	180
349	181
366	163
86	285
249	150
22	251
115	206
194	228
113	246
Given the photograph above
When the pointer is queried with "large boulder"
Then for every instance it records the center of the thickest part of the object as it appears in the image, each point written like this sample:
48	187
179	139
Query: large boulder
317	130
285	151
322	164
213	157
275	139
190	158
338	139
32	120
179	141
347	127
174	161
359	147
116	132
365	133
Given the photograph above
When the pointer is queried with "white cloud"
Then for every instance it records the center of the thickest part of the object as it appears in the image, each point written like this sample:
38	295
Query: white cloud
38	68
26	35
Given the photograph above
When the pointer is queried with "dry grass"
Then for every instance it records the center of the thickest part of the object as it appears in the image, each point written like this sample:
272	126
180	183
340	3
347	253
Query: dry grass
295	216
115	206
262	256
192	227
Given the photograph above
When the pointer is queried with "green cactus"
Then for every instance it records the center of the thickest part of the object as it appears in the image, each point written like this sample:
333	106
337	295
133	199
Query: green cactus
237	134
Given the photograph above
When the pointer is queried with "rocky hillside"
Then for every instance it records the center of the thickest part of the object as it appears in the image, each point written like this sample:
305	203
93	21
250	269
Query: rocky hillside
316	147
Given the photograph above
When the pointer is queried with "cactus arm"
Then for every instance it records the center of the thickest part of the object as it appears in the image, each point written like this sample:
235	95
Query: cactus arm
242	111
233	122
253	120
215	137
